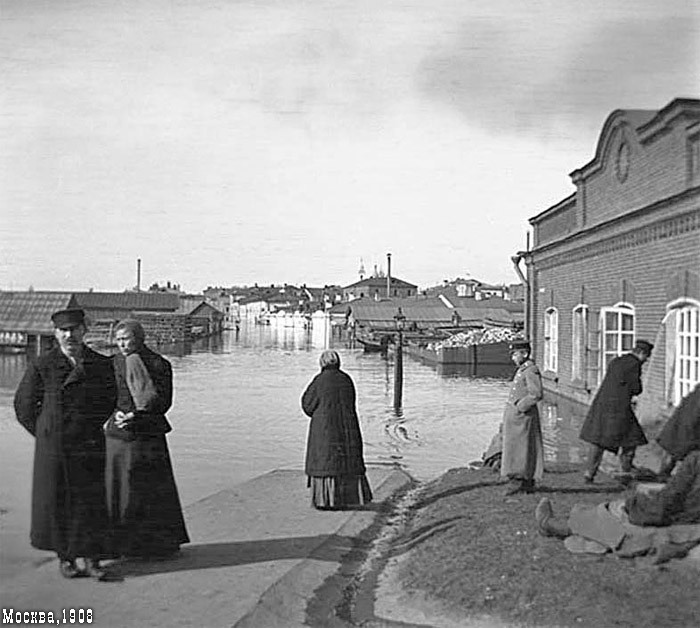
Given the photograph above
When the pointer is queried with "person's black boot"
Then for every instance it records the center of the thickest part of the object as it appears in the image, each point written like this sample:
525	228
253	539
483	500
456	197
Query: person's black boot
514	487
545	525
68	568
93	569
626	461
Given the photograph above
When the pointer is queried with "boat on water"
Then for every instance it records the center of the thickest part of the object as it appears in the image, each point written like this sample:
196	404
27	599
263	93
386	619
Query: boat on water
370	346
376	345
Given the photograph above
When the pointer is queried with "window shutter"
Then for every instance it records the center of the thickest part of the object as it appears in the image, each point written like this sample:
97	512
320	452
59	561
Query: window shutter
593	352
668	340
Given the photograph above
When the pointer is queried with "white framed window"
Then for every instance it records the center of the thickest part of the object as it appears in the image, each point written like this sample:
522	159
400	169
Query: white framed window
616	332
686	343
551	339
579	337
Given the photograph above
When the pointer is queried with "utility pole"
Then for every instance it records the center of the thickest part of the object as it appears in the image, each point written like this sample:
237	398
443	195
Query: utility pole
398	360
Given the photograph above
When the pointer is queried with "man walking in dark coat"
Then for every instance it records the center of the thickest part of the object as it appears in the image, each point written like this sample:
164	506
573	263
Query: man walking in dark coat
63	400
610	423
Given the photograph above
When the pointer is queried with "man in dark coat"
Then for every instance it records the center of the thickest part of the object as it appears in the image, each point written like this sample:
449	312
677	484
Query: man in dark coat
610	423
63	400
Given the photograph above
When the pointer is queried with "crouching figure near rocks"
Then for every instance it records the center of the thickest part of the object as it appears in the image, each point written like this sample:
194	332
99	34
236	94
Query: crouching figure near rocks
664	522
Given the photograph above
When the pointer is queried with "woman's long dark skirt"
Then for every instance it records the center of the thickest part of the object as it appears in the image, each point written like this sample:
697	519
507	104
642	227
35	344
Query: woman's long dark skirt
142	498
335	492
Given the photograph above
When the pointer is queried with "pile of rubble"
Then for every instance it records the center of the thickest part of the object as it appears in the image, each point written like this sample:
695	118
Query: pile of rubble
487	336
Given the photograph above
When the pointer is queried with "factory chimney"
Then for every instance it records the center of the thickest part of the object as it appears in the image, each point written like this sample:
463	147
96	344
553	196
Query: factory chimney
388	275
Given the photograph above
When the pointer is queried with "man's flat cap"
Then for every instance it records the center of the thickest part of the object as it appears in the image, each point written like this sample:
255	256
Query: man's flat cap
68	318
520	344
643	345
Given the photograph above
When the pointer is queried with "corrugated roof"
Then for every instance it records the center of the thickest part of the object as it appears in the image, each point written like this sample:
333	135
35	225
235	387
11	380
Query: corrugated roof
30	312
495	315
419	310
428	310
206	309
490	303
132	301
189	305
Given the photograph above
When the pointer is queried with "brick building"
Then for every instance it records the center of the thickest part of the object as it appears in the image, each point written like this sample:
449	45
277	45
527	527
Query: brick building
619	260
379	287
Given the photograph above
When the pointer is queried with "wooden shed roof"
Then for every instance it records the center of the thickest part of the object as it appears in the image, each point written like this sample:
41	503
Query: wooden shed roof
30	312
131	301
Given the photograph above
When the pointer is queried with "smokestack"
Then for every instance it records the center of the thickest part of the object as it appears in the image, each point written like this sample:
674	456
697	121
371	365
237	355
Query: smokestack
138	275
388	274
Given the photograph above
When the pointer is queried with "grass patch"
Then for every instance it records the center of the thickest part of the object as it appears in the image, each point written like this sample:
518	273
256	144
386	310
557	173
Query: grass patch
479	554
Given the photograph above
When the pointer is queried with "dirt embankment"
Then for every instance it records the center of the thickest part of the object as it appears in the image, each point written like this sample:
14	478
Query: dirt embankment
479	555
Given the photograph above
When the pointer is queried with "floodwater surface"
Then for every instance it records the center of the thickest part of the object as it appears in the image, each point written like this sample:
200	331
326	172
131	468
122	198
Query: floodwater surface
236	415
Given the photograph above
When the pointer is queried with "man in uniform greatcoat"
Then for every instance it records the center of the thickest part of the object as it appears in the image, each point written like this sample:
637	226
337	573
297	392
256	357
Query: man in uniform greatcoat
610	422
63	400
522	460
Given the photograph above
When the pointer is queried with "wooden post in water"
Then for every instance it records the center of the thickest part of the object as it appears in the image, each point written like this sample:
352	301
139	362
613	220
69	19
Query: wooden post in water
398	360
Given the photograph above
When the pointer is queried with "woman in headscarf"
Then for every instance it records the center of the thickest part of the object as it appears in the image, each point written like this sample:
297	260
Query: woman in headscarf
142	497
334	462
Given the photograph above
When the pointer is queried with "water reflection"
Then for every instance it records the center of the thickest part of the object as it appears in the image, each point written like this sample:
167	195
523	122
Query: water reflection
237	414
12	368
495	371
561	423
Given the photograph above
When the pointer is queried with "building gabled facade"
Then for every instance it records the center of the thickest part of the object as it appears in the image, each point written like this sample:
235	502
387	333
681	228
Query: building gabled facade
376	288
203	318
619	260
475	289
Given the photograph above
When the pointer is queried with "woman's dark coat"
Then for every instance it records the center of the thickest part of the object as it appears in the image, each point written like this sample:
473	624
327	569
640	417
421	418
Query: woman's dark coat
64	408
681	433
152	420
334	445
610	422
142	496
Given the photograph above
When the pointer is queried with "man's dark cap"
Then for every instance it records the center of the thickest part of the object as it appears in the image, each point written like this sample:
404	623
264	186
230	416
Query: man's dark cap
64	319
643	345
520	344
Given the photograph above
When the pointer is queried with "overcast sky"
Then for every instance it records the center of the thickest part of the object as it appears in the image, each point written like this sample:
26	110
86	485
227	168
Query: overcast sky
232	142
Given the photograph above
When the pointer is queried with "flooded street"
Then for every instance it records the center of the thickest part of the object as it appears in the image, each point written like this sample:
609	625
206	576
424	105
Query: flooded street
236	412
237	415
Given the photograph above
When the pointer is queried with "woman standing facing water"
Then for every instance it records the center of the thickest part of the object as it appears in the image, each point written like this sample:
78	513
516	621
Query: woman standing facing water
334	462
142	498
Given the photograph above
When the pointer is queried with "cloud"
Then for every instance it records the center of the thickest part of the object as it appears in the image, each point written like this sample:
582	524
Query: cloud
525	81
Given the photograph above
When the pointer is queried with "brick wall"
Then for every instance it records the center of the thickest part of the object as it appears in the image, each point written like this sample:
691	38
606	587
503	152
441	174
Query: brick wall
161	329
657	170
165	328
561	222
643	270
